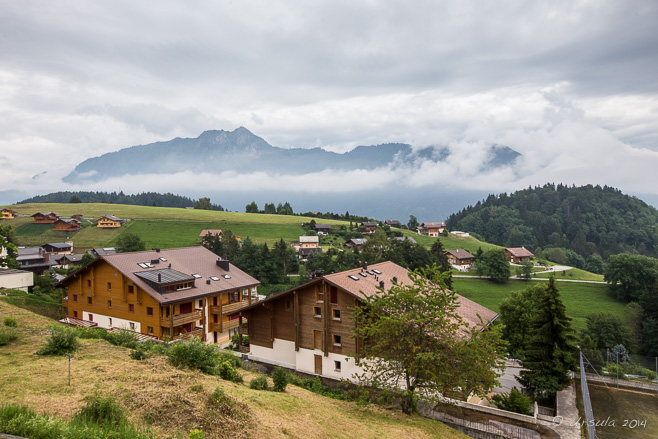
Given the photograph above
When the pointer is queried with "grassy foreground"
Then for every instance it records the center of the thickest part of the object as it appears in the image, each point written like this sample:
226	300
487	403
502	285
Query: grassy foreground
580	299
171	402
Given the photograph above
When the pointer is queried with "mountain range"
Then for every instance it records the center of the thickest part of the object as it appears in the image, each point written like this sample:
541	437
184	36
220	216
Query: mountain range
217	151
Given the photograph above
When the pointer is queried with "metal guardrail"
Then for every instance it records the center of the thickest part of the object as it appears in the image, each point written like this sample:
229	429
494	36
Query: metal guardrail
587	403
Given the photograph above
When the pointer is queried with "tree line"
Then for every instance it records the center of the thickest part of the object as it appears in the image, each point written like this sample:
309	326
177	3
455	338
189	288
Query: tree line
587	220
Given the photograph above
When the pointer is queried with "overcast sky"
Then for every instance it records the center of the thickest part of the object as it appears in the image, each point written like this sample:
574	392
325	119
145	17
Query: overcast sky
572	85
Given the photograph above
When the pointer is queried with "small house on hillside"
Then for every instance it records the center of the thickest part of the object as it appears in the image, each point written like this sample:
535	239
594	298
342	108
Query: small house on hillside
460	258
34	259
518	254
305	252
355	242
206	232
109	222
309	241
392	223
67	225
58	248
7	214
431	229
322	229
45	218
405	238
370	226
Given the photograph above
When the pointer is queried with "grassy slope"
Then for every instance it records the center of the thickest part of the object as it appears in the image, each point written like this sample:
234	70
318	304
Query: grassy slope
451	242
580	299
152	390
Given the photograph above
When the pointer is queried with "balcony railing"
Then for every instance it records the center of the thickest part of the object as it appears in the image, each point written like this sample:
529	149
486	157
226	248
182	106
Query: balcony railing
232	308
187	335
181	319
214	309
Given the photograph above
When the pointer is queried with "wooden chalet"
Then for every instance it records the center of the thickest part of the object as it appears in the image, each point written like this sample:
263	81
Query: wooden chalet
6	213
206	232
370	226
309	242
309	328
355	243
431	229
518	254
173	293
322	229
58	248
460	258
109	222
392	223
34	259
45	218
67	225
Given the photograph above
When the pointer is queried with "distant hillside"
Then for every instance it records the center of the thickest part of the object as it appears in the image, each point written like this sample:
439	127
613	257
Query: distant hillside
143	199
242	151
587	220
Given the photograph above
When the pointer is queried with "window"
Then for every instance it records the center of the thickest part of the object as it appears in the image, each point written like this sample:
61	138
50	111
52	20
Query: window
200	303
89	300
319	294
336	314
149	311
288	305
131	289
75	314
337	366
337	340
150	329
109	304
109	286
109	321
334	295
131	307
234	297
317	312
75	297
91	317
132	326
89	283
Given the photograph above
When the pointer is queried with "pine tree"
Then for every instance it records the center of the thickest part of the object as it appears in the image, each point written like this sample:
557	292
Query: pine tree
551	350
439	254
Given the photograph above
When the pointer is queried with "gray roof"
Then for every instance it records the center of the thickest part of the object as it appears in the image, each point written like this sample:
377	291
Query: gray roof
164	276
59	244
8	271
460	254
357	241
406	238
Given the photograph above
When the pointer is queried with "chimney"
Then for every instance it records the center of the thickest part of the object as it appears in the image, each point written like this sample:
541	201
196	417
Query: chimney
159	277
207	281
223	264
169	265
395	279
381	284
155	261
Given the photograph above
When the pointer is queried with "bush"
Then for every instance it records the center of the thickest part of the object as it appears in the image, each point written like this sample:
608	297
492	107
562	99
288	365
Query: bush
195	355
514	401
61	341
11	321
7	335
218	397
102	411
139	354
259	383
122	337
227	371
197	434
280	378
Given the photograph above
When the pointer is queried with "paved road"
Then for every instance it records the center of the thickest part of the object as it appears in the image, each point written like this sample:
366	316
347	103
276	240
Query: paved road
536	278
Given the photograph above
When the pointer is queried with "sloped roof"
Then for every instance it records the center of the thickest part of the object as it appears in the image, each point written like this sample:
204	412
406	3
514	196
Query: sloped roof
309	239
460	254
433	225
59	245
205	232
357	241
405	238
322	226
188	260
110	217
520	252
369	224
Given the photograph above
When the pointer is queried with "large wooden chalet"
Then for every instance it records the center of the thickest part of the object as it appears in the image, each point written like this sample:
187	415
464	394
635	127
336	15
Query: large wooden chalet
174	293
518	254
67	225
309	328
460	258
431	229
109	222
6	213
45	218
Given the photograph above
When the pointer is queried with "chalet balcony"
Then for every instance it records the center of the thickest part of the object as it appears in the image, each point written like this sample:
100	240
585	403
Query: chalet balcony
215	327
215	309
187	335
182	319
232	308
244	329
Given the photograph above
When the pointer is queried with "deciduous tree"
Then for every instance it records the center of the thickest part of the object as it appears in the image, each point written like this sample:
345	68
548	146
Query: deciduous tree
418	346
129	242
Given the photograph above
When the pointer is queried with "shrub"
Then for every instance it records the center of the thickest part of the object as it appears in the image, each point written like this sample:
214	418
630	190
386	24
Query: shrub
280	378
514	401
7	335
61	341
139	354
122	337
102	411
11	321
227	371
195	355
258	383
218	397
196	388
197	434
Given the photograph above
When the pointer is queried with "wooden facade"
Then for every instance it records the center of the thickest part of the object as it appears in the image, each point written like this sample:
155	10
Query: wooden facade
70	225
108	222
7	214
106	293
45	218
518	254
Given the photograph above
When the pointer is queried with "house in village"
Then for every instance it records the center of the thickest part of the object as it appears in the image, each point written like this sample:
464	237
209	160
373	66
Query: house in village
102	251
431	229
67	225
392	223
109	222
58	248
309	242
370	226
34	259
206	232
405	238
6	213
45	218
309	328
322	229
460	259
305	252
356	243
175	293
518	254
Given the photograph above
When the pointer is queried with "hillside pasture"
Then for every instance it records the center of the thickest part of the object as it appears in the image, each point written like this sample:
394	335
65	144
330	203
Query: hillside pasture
579	298
451	242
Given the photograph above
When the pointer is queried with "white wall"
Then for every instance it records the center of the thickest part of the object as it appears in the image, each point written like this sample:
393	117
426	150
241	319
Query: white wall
104	321
305	360
282	351
17	280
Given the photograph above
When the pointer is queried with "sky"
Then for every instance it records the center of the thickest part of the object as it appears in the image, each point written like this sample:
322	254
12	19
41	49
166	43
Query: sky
571	85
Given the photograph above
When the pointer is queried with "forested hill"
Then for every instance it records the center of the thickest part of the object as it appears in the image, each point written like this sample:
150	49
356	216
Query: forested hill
587	220
143	199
